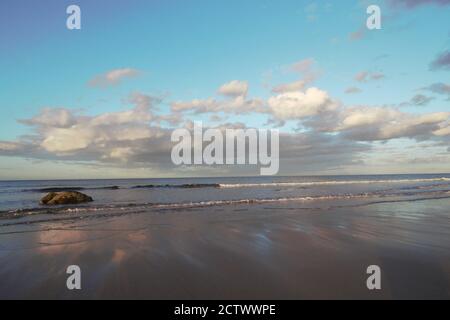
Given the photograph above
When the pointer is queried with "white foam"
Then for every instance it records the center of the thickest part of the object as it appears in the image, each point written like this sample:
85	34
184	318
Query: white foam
320	183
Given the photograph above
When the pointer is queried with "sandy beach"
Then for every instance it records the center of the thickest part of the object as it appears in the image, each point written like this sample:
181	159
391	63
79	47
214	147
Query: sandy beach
235	252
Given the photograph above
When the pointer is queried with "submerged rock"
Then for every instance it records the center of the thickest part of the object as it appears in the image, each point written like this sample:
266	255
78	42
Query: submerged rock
65	197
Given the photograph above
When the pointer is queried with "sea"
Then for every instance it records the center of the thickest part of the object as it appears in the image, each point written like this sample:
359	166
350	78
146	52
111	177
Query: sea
19	200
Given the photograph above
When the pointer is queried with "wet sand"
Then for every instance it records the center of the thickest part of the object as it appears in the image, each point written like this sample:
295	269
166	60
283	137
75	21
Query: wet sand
235	252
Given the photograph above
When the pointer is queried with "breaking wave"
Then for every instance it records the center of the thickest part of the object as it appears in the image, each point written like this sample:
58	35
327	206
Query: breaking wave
178	186
327	183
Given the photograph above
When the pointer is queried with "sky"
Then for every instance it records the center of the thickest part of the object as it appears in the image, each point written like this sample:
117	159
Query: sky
102	101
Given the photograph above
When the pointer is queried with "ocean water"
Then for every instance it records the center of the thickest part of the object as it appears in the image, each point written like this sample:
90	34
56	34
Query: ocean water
19	200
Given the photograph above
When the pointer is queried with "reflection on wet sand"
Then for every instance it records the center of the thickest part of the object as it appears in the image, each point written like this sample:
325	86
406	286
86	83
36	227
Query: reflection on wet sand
250	252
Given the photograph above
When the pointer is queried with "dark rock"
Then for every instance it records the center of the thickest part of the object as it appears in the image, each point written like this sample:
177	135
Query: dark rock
111	188
66	197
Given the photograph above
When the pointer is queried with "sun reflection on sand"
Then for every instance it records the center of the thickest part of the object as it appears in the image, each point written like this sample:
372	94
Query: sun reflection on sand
118	256
56	241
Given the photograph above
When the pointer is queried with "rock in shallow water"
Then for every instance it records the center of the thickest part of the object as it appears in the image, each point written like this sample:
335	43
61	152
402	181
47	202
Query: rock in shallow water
65	197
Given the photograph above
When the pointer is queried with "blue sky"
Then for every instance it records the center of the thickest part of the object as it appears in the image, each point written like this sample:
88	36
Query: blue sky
185	50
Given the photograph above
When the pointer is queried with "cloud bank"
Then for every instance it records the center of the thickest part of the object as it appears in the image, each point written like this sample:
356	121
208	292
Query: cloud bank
327	134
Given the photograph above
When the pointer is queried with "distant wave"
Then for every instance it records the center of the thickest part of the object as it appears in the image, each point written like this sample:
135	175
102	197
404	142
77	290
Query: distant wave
320	183
60	189
240	185
178	186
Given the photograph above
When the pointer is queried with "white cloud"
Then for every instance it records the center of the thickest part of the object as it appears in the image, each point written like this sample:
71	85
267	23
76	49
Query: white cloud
303	66
234	88
113	77
198	105
236	101
289	87
297	105
306	69
365	76
352	90
237	105
384	123
55	117
9	146
102	134
443	131
365	116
